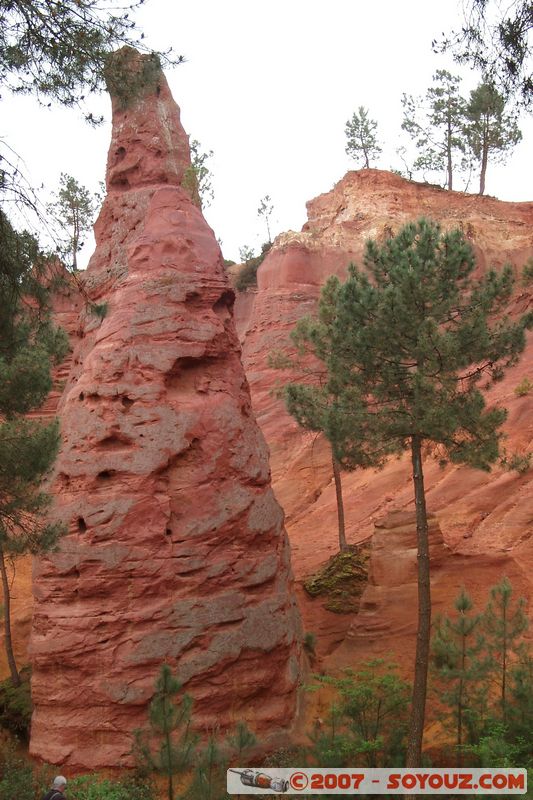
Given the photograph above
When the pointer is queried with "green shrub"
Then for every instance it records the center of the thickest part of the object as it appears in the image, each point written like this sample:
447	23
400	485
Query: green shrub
98	309
517	463
367	724
523	388
527	272
310	643
94	787
247	277
19	778
16	706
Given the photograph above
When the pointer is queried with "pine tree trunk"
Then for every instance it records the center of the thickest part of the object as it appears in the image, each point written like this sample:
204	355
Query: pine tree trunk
15	677
418	707
504	664
340	505
484	160
461	700
449	151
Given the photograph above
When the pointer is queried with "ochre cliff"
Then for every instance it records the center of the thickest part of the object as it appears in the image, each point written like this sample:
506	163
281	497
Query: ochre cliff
176	551
486	519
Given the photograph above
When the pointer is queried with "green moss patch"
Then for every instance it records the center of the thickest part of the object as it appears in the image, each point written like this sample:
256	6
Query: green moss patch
342	580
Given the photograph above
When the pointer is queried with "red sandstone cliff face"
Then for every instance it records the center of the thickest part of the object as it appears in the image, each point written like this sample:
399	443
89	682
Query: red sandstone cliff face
176	550
487	518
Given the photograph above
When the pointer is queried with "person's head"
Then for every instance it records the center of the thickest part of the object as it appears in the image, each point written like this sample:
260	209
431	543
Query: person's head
59	783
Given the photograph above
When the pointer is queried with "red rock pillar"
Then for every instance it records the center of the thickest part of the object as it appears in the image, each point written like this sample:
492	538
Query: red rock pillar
176	551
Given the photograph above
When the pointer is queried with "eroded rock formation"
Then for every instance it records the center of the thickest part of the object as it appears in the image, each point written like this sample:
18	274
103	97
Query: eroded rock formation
176	550
485	517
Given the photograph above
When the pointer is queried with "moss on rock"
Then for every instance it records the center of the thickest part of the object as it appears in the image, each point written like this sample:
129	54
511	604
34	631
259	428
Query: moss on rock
342	580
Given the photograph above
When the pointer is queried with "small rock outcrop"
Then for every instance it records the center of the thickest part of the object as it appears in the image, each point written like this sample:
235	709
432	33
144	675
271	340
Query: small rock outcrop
176	551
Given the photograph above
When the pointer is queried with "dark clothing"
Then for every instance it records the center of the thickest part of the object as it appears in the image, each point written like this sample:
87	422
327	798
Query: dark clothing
54	794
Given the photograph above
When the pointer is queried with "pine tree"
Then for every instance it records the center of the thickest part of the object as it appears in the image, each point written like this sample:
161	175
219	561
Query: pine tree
496	39
460	666
241	740
368	720
265	210
361	139
197	177
209	777
436	124
504	621
58	51
404	350
74	209
490	131
170	725
28	343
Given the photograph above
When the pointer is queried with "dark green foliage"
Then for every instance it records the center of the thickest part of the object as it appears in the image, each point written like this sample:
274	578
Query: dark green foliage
240	741
20	778
460	669
28	344
58	50
491	132
74	208
405	343
436	125
527	272
361	140
483	674
504	622
410	346
98	309
517	462
368	722
130	76
96	787
16	706
170	725
496	39
310	643
209	776
247	277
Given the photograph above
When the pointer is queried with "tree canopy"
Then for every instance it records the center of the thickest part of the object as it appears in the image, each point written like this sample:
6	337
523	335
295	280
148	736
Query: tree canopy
361	138
28	343
491	131
57	50
406	341
436	124
496	38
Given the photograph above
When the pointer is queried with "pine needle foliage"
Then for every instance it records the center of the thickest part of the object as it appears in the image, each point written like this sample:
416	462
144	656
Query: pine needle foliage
460	668
505	621
368	720
170	726
405	342
361	137
28	344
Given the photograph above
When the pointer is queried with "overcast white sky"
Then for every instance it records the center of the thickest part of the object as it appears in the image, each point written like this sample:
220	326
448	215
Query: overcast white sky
269	86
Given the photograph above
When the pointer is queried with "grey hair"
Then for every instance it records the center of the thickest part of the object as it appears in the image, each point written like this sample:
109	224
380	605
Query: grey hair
59	781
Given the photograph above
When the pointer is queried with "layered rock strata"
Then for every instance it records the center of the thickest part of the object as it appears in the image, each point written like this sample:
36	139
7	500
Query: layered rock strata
485	516
176	551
